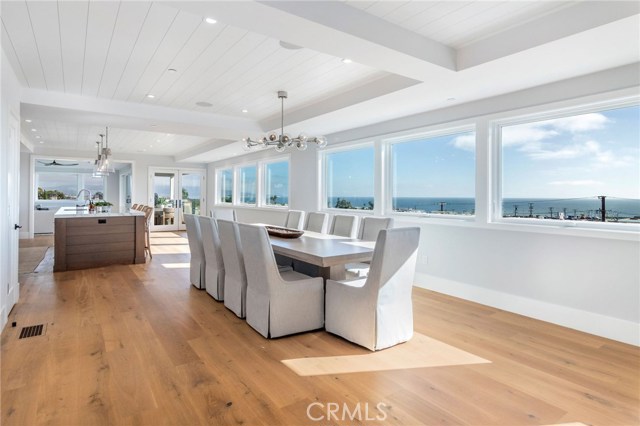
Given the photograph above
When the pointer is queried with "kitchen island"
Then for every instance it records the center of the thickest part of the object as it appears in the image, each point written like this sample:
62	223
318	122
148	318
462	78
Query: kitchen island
88	240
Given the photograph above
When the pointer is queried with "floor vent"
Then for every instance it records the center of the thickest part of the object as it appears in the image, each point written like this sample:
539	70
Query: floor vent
31	331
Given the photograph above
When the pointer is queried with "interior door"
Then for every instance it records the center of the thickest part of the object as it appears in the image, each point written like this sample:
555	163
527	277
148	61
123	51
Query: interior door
13	188
173	193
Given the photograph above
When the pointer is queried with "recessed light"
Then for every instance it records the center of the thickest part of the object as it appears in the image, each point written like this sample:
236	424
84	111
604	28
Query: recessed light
289	46
245	111
172	70
150	96
37	136
41	141
210	20
27	121
204	104
157	140
34	130
346	61
150	146
451	99
154	125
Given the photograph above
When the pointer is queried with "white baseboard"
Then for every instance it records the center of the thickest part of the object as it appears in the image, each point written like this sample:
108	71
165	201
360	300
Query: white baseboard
589	322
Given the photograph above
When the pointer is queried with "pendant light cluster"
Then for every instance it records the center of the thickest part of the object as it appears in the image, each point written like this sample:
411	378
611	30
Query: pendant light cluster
102	166
283	141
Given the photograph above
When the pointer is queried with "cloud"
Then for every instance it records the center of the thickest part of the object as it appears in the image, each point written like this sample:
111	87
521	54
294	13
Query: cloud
585	182
529	134
466	142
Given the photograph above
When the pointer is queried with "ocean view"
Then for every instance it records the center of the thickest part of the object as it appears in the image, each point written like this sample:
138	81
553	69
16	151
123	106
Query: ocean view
572	208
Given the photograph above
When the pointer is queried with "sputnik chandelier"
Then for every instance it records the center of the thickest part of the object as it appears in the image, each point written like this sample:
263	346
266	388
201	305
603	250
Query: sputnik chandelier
283	141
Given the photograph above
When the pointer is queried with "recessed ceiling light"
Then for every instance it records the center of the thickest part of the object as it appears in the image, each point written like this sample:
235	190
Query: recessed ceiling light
37	136
27	121
204	104
41	141
245	110
150	146
153	125
172	70
451	99
150	96
346	60
157	140
210	20
34	130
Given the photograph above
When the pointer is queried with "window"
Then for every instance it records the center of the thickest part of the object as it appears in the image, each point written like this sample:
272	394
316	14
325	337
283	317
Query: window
276	184
225	186
247	184
434	174
65	186
349	178
583	167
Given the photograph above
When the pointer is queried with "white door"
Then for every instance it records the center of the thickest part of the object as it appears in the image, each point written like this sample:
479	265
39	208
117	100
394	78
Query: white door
174	192
13	190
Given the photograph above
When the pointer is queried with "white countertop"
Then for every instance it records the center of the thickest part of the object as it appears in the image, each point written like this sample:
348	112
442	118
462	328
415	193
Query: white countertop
69	212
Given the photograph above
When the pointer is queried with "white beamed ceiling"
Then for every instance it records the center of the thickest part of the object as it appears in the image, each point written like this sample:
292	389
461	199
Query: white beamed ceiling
102	59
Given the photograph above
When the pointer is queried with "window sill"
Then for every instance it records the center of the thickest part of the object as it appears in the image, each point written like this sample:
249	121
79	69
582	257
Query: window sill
626	232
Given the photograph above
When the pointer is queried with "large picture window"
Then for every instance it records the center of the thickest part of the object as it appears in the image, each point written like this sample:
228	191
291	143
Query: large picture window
225	186
434	174
583	167
65	186
247	184
276	184
349	178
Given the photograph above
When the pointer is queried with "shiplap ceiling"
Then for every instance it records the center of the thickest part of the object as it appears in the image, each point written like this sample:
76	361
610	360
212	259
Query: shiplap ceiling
112	55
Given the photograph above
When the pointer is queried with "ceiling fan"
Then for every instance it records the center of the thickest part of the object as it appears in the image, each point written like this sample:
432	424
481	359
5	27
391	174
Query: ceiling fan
55	163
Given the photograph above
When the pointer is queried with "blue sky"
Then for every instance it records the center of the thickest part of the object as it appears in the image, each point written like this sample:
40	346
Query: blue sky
578	156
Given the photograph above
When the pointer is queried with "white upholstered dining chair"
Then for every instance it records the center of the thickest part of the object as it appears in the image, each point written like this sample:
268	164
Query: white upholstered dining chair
235	278
317	222
344	225
295	219
214	265
278	303
376	312
223	213
369	229
197	261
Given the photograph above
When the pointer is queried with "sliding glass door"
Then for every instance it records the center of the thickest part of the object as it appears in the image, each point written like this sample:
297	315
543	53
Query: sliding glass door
173	193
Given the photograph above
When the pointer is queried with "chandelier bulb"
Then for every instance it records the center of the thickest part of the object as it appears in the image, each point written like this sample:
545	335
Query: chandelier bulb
281	147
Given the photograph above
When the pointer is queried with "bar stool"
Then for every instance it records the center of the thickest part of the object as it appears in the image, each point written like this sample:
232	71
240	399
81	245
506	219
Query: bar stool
148	213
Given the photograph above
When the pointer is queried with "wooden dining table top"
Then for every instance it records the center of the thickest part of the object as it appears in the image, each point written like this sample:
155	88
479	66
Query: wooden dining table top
323	249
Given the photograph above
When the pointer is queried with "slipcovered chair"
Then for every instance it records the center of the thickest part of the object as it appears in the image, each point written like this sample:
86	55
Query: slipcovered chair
344	225
295	219
197	263
214	266
226	214
369	230
376	312
235	275
278	303
317	222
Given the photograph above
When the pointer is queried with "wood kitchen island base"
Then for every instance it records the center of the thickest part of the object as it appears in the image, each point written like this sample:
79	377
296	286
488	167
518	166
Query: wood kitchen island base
93	240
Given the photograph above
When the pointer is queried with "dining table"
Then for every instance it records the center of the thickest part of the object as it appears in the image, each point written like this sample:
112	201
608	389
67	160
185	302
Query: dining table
330	253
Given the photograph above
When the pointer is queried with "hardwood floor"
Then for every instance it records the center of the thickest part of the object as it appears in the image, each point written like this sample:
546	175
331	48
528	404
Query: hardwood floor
137	344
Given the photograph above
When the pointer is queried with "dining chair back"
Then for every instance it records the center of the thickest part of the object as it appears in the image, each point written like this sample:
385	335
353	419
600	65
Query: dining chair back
371	226
376	312
344	225
235	277
295	219
223	213
214	265
317	222
278	303
197	262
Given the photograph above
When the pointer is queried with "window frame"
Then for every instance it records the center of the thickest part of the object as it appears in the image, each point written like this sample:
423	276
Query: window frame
426	133
349	146
218	187
496	168
262	170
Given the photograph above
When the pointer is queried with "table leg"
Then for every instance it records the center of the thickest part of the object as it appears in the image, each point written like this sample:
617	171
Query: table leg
335	273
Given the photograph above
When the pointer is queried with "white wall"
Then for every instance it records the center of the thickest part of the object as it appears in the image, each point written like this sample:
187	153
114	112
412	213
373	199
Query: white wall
587	282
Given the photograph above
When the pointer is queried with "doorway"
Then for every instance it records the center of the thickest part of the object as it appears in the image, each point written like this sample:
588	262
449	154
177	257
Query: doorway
174	192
